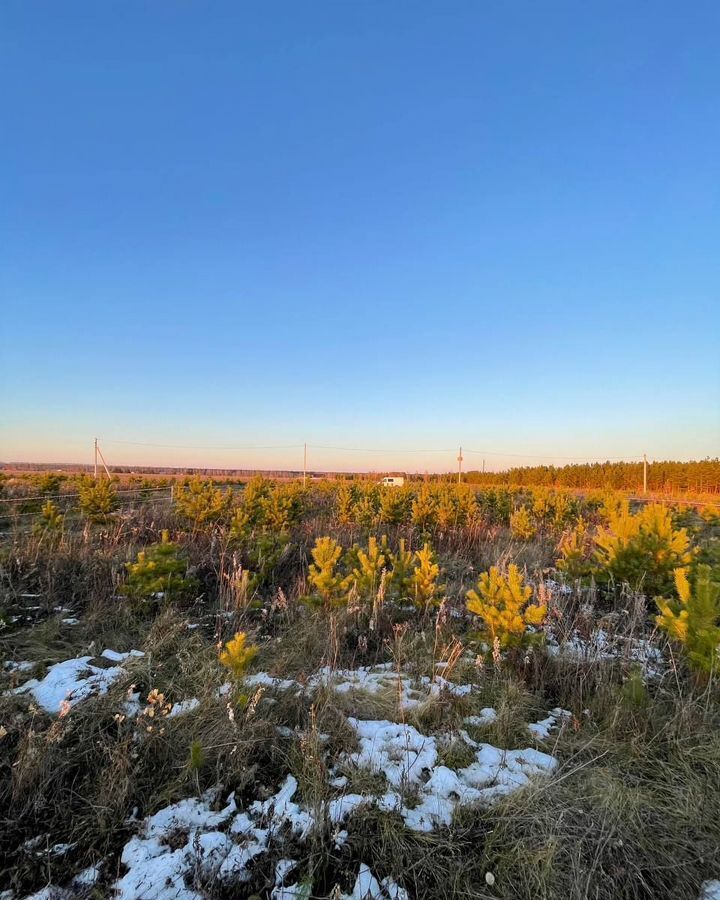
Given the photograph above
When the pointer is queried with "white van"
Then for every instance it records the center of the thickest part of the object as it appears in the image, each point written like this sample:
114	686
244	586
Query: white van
393	481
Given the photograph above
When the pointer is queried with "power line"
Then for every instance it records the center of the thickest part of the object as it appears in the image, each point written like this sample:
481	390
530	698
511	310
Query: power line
380	449
204	447
634	456
629	457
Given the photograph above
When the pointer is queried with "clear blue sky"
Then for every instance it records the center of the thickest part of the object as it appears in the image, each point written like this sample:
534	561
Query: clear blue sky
386	225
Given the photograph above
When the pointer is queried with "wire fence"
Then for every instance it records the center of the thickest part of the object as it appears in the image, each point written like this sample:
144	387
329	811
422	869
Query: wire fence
14	522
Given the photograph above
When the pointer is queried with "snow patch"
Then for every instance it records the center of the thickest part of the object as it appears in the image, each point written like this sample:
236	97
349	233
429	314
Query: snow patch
19	667
367	887
74	680
542	729
399	752
368	679
487	717
408	759
185	838
603	646
183	707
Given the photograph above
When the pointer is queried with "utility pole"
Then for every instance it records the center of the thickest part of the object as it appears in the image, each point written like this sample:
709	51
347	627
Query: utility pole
98	452
304	464
95	469
644	473
483	466
460	460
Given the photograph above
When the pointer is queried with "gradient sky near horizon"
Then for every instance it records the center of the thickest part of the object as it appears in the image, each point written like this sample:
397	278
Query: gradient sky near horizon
396	226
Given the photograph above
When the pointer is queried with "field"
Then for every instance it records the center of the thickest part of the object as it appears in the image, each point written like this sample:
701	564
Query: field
347	691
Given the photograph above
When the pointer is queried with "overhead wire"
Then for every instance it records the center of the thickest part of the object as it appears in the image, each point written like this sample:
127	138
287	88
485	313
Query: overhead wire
394	450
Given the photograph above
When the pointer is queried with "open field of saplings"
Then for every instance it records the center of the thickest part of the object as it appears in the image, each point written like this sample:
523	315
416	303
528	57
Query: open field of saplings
352	691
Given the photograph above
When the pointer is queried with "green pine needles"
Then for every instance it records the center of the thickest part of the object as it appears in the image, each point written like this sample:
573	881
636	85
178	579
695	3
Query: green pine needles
364	573
98	500
693	617
159	573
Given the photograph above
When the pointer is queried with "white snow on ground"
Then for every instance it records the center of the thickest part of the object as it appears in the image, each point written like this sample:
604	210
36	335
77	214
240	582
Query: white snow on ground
18	667
367	887
262	679
399	752
408	758
543	728
183	707
189	838
114	656
74	680
603	646
487	717
81	886
281	891
132	706
710	890
376	679
184	838
290	892
280	809
50	893
188	845
87	878
369	679
157	869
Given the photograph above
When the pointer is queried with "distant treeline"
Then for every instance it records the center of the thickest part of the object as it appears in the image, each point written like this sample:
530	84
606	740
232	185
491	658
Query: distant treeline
702	476
147	470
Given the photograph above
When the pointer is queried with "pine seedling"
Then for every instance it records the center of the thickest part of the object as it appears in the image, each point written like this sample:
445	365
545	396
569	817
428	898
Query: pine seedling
344	502
48	482
50	521
447	513
401	573
277	512
521	524
158	573
365	511
240	525
238	654
394	502
97	499
542	504
564	508
576	551
370	564
200	502
424	510
693	619
256	492
503	604
329	584
468	509
426	590
642	549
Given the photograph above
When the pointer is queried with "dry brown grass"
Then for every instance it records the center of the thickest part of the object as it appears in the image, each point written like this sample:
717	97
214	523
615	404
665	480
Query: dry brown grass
633	812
